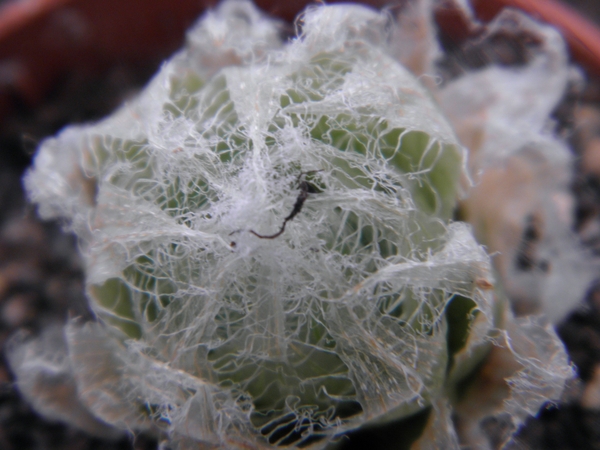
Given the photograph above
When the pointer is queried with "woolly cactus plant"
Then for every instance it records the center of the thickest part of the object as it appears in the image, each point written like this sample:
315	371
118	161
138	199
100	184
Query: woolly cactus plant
269	246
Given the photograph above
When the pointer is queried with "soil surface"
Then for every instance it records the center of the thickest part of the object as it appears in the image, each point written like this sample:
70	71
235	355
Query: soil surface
41	277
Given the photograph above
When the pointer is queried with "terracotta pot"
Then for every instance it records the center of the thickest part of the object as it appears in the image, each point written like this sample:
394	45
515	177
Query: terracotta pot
42	40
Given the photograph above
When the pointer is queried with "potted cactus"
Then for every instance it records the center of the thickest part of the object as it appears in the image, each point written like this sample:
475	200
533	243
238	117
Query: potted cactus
271	257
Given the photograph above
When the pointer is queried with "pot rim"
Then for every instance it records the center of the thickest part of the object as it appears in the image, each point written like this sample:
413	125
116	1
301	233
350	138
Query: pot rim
31	60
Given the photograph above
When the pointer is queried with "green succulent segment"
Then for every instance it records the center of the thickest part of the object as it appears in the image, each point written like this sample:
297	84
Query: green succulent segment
181	94
434	167
434	190
131	158
313	360
115	299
